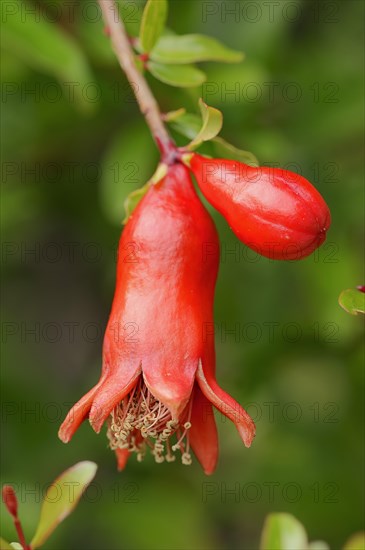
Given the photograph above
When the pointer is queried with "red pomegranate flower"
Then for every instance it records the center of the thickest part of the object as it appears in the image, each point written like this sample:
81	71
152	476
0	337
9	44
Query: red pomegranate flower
158	385
273	211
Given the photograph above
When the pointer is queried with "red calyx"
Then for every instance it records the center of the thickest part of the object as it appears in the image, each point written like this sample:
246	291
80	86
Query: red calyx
275	212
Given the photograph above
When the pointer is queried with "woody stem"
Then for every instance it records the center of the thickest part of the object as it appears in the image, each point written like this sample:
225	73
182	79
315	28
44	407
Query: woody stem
146	101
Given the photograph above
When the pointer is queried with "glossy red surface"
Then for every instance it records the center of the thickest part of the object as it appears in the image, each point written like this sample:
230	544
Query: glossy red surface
168	260
275	212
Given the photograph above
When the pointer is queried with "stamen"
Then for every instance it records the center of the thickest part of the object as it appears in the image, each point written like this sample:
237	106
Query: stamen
140	421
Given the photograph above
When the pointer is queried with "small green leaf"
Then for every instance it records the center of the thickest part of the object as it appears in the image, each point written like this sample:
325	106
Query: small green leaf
182	76
356	542
352	301
283	532
16	546
226	150
5	545
61	498
153	22
46	47
191	48
134	198
212	125
187	125
173	115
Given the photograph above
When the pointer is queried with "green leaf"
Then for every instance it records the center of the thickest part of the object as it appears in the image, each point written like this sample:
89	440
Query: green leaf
187	125
283	532
153	22
15	546
61	498
182	76
212	125
356	542
45	47
134	198
191	48
226	150
352	301
128	163
5	545
173	115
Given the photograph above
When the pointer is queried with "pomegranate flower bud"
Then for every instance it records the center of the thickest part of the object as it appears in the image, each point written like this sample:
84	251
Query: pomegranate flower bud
10	500
158	385
275	212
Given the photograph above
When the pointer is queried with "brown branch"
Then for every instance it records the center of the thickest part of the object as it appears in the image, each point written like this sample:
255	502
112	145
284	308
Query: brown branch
146	101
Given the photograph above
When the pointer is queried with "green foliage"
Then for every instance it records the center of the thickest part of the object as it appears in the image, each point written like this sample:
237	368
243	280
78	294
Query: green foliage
61	498
352	301
212	121
46	47
283	532
182	76
206	129
192	48
153	22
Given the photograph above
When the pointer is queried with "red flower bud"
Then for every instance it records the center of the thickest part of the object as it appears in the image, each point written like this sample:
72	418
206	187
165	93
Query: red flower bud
157	385
10	500
275	212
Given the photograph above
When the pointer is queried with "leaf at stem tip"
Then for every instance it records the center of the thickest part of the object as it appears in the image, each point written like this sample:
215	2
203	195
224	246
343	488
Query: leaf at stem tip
212	125
153	22
181	76
61	498
173	115
352	301
192	48
187	124
283	532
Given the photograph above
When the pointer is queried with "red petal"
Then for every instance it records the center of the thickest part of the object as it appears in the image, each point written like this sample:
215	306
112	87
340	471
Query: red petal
203	434
227	405
170	379
109	395
122	458
78	413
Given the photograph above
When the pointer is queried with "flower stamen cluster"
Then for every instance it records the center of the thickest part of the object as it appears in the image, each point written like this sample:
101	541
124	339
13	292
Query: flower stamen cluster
140	421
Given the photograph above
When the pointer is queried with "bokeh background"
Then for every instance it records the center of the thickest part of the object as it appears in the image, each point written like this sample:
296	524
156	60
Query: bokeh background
74	145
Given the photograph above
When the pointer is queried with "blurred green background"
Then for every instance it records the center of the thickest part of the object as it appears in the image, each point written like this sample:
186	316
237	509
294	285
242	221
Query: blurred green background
74	144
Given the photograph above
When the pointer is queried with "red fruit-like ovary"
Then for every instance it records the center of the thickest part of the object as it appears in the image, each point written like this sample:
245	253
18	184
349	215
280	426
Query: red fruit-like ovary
273	211
164	289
